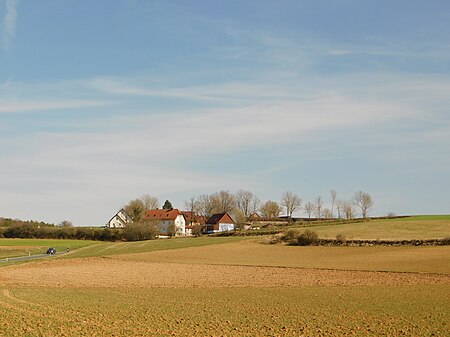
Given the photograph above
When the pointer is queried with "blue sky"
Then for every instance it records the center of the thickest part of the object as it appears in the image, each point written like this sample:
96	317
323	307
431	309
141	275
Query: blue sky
103	101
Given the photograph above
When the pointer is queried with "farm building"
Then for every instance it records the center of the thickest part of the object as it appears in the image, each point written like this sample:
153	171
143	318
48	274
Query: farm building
168	219
221	222
119	220
193	220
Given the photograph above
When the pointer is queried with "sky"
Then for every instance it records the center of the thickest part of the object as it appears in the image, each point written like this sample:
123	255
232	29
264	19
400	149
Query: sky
104	101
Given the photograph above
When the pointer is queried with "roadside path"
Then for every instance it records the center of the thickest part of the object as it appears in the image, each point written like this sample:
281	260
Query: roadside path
28	257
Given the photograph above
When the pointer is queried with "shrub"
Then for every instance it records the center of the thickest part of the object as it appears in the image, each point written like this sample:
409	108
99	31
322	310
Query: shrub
445	241
197	230
291	236
273	239
340	238
308	237
139	231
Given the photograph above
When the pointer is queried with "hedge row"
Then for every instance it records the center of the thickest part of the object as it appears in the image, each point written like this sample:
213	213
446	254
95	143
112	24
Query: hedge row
27	231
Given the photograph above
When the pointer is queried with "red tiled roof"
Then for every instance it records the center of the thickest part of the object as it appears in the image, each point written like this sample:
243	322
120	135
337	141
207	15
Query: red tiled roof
194	218
162	214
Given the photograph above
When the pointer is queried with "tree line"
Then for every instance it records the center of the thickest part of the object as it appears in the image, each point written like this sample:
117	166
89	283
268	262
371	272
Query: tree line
242	204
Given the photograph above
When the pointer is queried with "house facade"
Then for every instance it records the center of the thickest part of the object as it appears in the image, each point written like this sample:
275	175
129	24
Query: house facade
193	220
220	222
119	220
168	220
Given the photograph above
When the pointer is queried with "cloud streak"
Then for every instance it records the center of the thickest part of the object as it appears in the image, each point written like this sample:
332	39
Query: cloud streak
10	23
29	106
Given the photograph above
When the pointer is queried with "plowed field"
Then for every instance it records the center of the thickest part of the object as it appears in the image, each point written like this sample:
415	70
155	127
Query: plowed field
104	272
208	291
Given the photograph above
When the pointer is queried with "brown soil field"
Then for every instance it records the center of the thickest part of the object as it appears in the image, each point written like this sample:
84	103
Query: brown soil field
397	259
107	272
234	289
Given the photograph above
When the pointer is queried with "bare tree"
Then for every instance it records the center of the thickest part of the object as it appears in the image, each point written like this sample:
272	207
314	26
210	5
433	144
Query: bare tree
309	209
339	204
256	204
348	209
318	204
246	202
205	205
364	201
150	202
223	202
192	206
326	213
333	195
135	209
240	218
270	209
291	201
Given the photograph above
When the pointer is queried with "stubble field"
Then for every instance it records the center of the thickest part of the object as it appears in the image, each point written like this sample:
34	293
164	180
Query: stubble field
237	288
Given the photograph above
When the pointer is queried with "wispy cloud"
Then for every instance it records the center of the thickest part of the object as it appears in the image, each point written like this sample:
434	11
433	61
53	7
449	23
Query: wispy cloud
27	106
131	148
10	23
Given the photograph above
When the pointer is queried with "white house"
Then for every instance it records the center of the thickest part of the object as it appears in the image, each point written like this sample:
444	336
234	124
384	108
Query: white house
119	220
168	219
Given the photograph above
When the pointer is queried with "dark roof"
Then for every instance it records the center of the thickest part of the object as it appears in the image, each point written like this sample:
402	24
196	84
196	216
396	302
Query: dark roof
216	218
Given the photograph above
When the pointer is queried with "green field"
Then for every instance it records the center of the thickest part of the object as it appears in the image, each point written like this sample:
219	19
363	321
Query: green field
418	227
22	247
116	248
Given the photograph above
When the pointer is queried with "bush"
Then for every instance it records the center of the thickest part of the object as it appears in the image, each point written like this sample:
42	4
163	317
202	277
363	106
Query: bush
197	230
140	231
445	241
308	237
340	238
277	238
291	236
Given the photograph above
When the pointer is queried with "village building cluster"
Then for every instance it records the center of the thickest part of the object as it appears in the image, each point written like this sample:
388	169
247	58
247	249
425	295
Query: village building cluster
182	221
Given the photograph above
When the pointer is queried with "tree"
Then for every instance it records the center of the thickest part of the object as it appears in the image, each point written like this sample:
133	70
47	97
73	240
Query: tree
197	230
270	209
318	204
240	219
65	223
348	209
205	205
333	195
291	201
326	213
223	202
309	208
135	209
191	205
364	201
246	202
167	205
339	204
150	202
172	230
